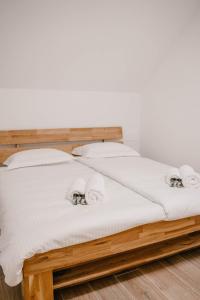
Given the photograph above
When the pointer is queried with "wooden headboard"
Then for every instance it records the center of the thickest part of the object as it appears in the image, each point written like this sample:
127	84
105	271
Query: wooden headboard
65	139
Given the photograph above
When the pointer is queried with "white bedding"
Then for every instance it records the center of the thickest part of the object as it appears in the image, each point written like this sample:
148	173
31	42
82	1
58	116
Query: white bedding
147	177
36	217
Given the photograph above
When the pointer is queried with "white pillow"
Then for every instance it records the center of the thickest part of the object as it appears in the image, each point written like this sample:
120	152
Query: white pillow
37	157
107	149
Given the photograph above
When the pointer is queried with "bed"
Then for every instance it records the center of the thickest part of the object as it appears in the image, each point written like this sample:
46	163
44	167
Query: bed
120	240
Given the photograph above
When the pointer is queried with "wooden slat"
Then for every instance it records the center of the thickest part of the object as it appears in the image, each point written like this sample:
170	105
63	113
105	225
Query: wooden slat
128	240
124	261
36	136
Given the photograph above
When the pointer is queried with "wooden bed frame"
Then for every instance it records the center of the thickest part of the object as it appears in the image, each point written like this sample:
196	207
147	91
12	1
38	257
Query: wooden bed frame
44	273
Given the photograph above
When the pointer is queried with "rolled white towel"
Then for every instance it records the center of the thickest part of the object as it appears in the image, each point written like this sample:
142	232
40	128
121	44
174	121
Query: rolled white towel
172	173
189	177
77	187
95	189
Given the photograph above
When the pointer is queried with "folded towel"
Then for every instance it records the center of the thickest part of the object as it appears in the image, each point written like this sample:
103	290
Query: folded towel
189	177
95	189
172	175
76	190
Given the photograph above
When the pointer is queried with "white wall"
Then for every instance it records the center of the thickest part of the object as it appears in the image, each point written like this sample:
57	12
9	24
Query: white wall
102	45
23	109
49	48
171	104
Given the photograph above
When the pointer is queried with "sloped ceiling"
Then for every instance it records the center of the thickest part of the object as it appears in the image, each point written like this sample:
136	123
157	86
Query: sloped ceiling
103	45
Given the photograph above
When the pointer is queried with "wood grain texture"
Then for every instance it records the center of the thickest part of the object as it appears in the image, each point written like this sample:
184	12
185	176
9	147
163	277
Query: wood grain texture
121	242
168	283
38	287
193	257
140	287
110	288
88	261
18	140
125	261
184	269
83	292
35	136
136	283
8	293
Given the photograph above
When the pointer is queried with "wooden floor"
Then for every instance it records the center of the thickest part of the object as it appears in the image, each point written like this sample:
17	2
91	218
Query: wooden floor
174	278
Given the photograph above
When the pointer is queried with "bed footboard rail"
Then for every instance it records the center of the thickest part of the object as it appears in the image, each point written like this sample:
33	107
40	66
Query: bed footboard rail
47	272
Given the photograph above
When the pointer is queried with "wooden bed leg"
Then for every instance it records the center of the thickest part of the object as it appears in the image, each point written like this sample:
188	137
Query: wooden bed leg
38	287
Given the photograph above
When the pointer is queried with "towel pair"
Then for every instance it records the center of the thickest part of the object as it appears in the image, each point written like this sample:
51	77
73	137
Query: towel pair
90	192
185	176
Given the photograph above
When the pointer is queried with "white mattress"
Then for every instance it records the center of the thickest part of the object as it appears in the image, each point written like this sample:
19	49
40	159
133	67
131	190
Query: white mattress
36	217
147	177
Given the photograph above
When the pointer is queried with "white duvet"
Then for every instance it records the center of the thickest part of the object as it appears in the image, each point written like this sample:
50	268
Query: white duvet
36	217
147	177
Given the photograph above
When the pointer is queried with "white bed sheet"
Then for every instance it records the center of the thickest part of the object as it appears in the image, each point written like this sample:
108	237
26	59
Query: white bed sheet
36	217
147	177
